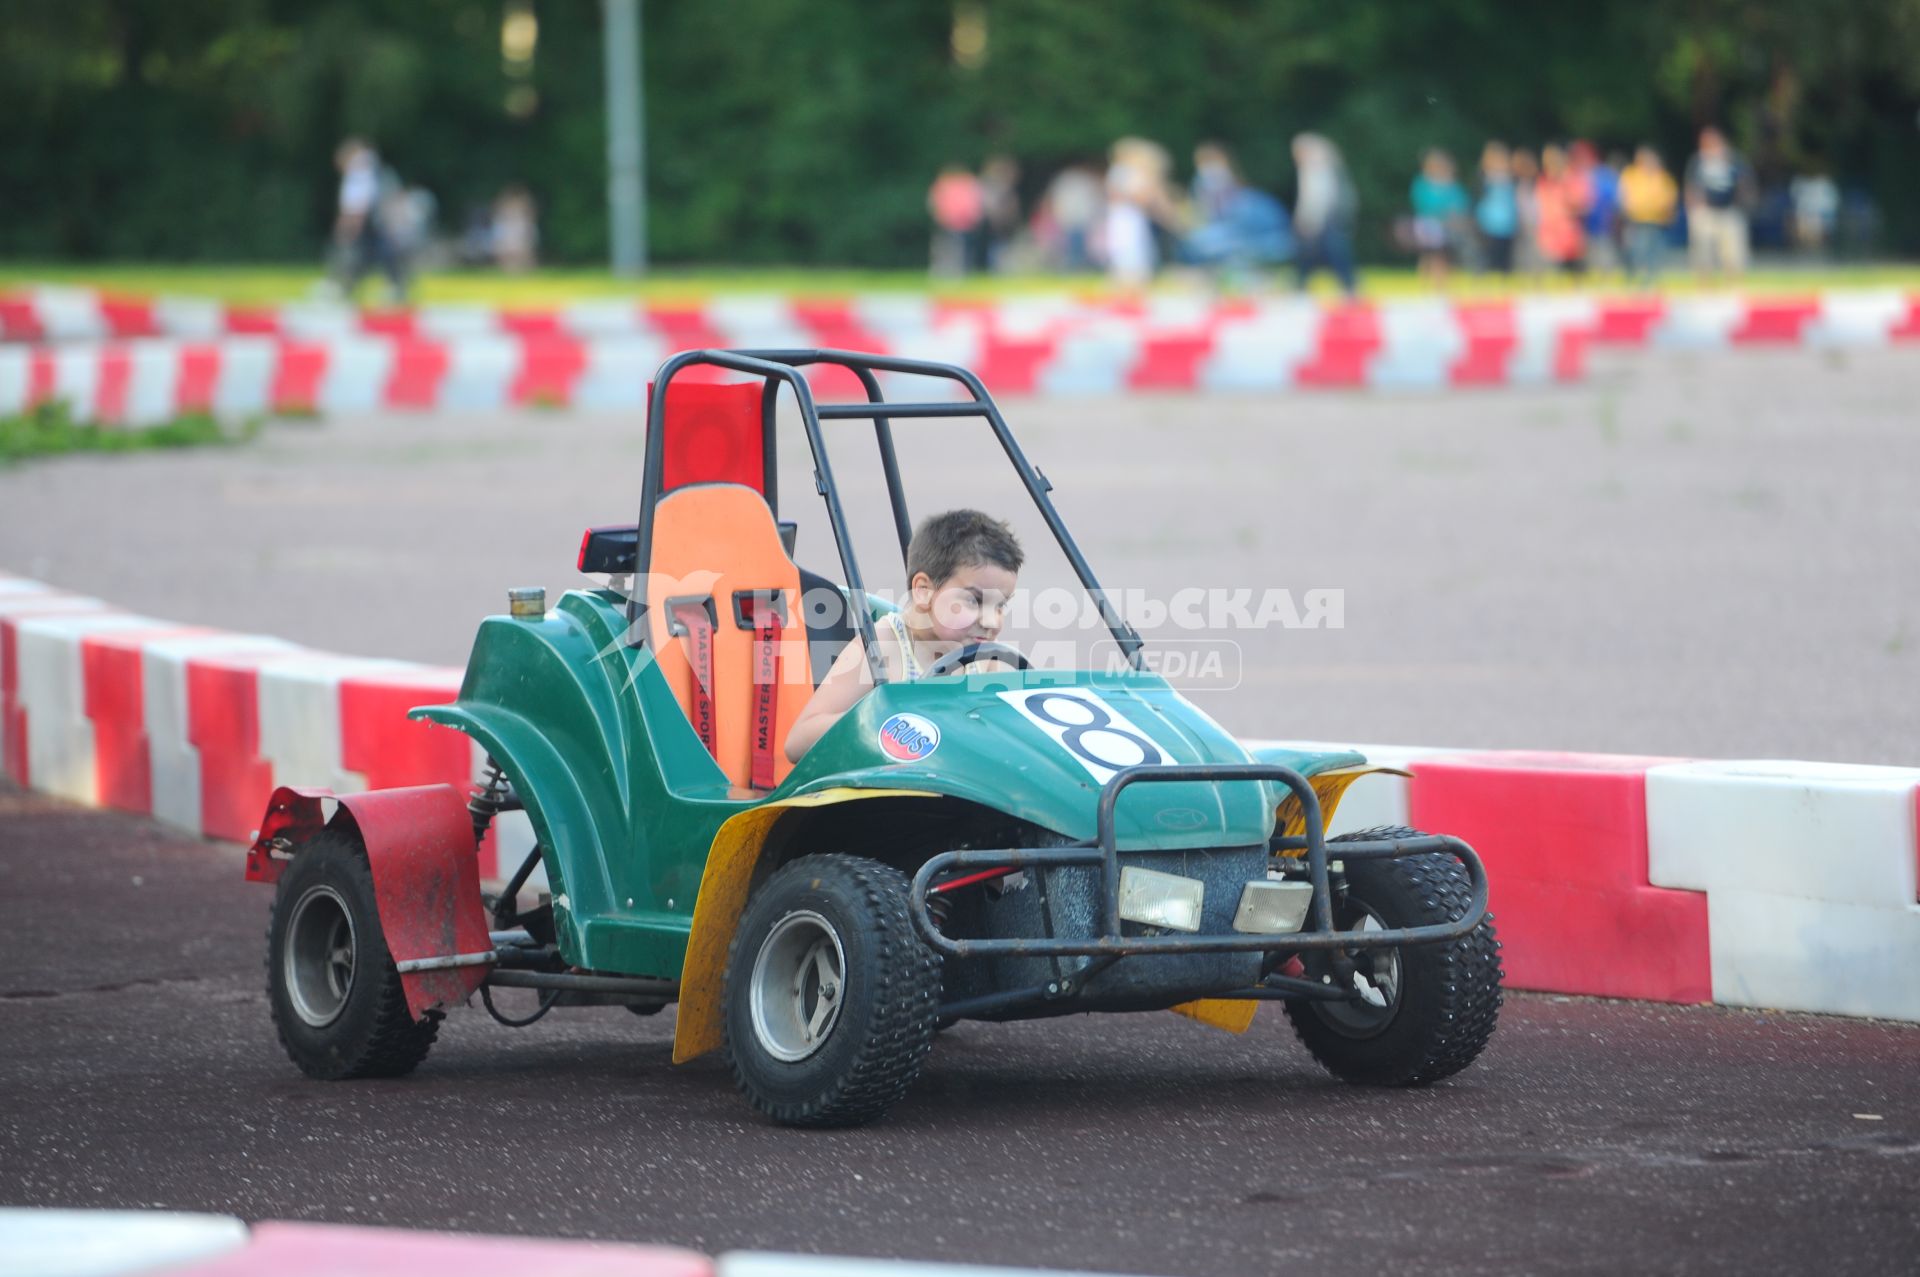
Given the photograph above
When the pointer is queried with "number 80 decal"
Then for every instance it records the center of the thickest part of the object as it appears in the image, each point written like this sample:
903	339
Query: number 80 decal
1100	738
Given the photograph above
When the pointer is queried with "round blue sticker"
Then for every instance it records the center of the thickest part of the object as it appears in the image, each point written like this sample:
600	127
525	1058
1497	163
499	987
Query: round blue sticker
909	737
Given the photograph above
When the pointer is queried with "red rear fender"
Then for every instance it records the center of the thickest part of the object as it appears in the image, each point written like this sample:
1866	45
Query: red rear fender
426	874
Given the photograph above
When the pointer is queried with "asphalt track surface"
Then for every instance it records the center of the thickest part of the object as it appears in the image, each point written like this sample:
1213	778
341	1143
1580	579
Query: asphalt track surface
138	1068
1711	555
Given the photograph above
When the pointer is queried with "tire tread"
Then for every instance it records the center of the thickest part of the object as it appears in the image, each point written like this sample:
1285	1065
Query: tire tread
1470	977
395	1043
906	992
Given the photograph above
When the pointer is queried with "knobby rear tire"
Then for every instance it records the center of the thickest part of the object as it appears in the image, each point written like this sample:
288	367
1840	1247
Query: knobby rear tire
371	1033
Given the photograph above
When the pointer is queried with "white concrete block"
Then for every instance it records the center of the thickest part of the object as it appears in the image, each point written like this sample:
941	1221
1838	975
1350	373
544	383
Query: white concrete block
245	385
358	370
60	752
1698	323
1810	871
76	380
480	371
94	1243
1856	319
608	318
190	318
1094	361
16	377
300	717
617	370
153	382
174	761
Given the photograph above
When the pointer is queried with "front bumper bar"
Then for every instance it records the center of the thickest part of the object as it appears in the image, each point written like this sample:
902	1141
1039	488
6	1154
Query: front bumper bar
1105	853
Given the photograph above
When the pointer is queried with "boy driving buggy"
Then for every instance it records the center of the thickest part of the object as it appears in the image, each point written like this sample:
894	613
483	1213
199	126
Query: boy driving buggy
961	569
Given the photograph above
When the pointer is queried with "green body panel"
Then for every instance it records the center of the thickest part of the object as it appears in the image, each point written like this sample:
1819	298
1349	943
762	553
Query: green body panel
1308	762
626	801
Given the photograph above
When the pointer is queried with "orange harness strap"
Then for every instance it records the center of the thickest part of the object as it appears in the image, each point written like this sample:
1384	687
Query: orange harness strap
692	619
763	611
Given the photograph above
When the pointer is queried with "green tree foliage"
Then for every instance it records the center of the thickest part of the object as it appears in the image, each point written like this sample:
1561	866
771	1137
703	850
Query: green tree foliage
807	133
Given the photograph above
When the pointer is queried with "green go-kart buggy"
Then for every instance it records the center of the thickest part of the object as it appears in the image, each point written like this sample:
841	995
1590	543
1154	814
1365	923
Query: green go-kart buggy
972	845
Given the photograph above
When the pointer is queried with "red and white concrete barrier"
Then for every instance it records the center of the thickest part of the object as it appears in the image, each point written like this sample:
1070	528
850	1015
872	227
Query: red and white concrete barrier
74	1243
143	381
1781	884
1793	885
1847	316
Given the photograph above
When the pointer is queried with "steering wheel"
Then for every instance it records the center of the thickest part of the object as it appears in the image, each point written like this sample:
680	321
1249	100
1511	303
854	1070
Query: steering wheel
978	652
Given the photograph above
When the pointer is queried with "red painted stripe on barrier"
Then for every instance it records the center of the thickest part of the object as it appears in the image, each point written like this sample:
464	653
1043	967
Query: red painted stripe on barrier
1490	336
833	325
1773	322
114	692
419	366
13	719
1564	838
223	725
380	742
41	376
257	321
1011	365
20	319
129	317
388	323
1908	329
1170	361
1570	355
1627	321
530	323
1349	336
299	368
199	376
110	391
684	327
328	1250
549	366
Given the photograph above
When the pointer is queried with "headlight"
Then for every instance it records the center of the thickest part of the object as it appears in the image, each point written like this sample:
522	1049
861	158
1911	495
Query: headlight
1154	899
1273	907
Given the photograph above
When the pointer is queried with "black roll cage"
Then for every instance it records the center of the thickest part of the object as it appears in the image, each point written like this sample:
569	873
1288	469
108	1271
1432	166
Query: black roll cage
777	367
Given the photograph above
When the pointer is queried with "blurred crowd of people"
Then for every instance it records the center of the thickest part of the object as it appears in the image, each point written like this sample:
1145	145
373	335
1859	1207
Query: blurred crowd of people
1128	218
1568	211
384	226
1564	210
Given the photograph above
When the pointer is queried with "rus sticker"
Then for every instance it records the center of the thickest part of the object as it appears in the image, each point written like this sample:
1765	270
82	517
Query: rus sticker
909	737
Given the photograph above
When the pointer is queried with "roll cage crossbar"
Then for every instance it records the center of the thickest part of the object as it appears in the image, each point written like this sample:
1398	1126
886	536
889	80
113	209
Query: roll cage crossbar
778	367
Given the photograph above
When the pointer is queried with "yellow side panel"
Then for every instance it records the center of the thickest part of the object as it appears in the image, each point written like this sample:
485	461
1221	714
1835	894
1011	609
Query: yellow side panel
716	911
1328	787
1221	1013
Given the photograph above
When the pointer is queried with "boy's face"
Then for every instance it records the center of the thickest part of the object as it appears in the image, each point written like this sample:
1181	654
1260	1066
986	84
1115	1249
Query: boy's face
969	606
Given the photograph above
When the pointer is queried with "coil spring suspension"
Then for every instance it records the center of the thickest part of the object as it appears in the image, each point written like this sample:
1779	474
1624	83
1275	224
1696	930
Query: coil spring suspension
488	799
940	908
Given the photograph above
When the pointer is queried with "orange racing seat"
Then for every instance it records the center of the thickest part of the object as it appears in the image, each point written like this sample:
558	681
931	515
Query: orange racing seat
724	623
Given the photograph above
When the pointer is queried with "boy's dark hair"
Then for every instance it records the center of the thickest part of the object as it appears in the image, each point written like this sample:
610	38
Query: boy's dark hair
948	542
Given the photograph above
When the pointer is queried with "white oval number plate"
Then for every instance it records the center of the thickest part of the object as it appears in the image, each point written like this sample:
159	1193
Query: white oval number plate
1100	738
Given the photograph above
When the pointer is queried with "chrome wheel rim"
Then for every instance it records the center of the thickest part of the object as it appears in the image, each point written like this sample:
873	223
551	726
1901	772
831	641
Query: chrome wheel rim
799	980
318	963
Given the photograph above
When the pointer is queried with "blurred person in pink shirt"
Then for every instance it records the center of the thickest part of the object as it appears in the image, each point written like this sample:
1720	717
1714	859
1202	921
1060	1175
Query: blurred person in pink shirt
1561	196
957	206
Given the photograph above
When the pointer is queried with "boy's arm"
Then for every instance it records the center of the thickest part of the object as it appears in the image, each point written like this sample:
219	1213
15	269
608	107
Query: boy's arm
846	682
